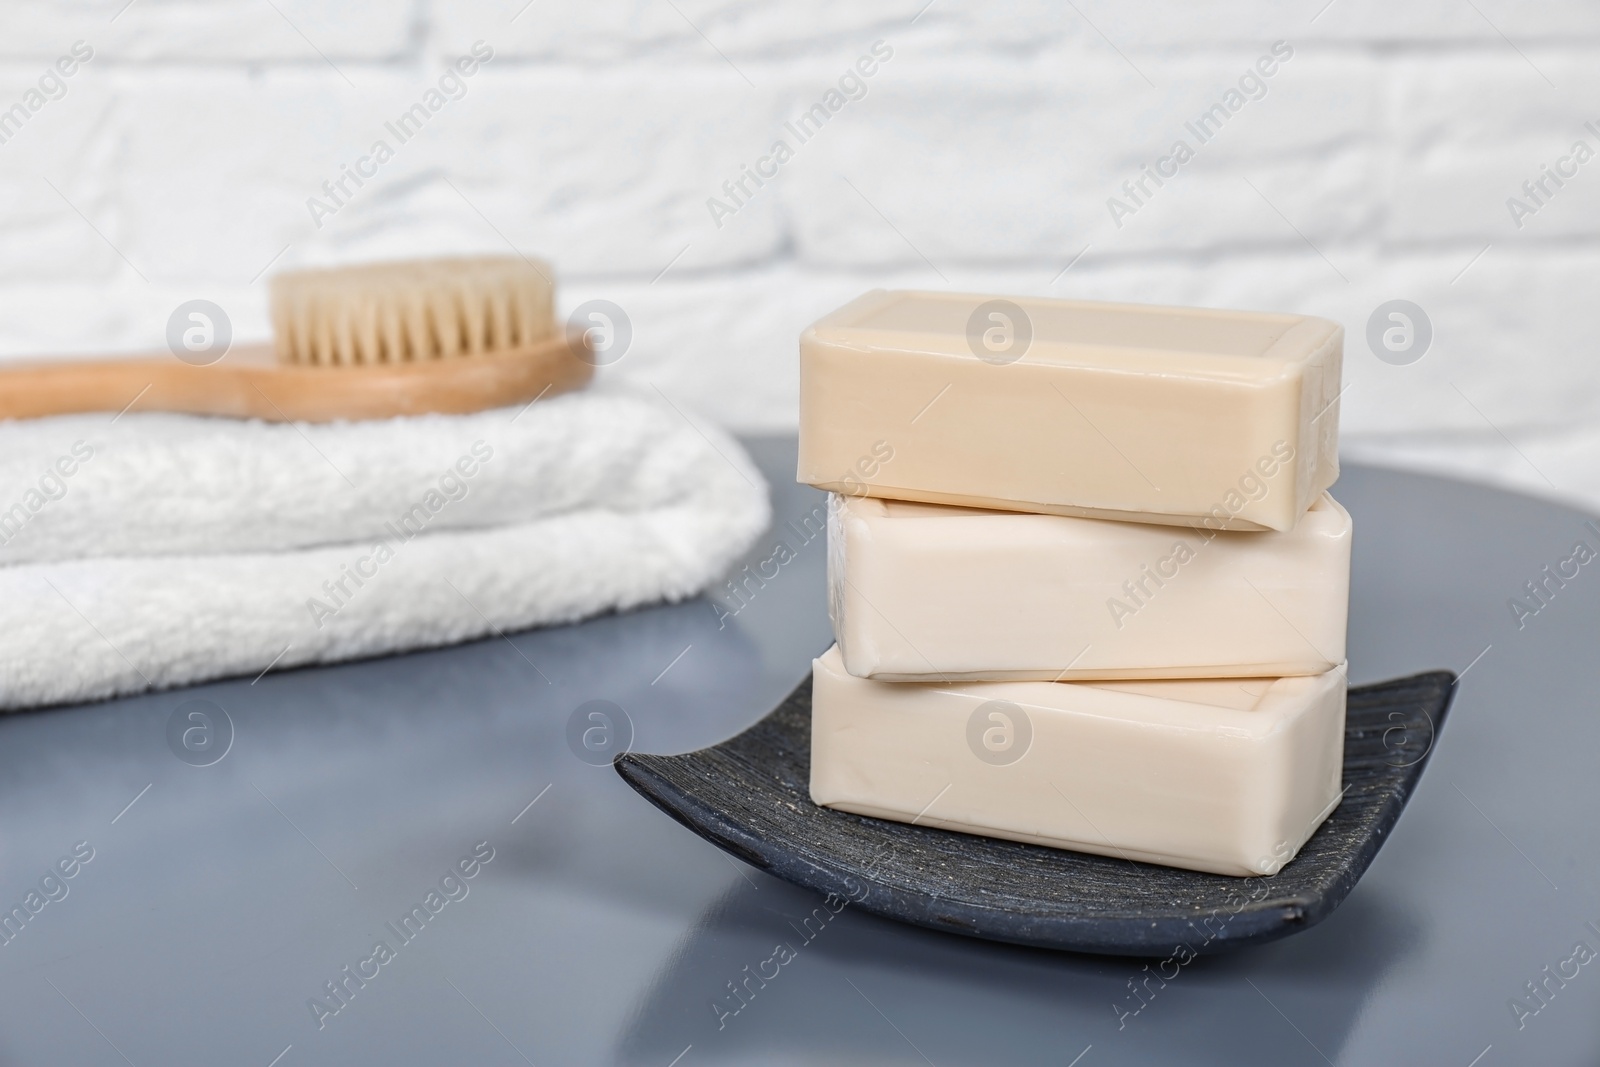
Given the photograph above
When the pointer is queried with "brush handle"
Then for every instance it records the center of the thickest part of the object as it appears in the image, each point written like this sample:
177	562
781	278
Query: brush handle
248	384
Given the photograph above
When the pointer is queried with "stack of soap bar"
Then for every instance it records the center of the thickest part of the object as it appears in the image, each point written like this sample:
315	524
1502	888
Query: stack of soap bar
1034	494
1227	776
927	592
1113	411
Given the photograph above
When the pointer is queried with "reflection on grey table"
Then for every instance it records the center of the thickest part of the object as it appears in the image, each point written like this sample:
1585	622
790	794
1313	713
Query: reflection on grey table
221	899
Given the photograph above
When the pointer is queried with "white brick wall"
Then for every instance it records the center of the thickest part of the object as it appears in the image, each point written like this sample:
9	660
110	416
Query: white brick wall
1377	165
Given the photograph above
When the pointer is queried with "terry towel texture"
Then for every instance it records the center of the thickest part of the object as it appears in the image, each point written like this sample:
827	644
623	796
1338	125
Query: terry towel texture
160	550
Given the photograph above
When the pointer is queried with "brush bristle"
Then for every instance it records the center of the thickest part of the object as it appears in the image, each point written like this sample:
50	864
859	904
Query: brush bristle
413	310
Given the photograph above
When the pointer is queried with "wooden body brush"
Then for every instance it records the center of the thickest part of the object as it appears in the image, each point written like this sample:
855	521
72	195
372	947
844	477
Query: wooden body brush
368	342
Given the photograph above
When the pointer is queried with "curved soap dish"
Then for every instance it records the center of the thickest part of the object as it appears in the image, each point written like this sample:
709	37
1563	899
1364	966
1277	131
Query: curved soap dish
749	796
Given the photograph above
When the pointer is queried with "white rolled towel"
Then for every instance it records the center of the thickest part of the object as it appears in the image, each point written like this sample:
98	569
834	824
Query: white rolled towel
153	550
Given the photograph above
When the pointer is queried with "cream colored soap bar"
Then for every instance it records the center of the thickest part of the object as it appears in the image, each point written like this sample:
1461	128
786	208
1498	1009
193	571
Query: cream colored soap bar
937	593
1150	414
1230	777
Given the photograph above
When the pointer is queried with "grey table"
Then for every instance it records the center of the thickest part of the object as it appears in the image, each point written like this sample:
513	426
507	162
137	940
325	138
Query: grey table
220	900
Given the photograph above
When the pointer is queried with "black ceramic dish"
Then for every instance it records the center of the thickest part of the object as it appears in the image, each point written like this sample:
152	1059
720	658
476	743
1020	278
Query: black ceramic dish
749	795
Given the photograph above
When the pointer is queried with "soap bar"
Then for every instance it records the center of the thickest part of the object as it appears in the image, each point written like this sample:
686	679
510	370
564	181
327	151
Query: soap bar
939	593
1226	776
1120	411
